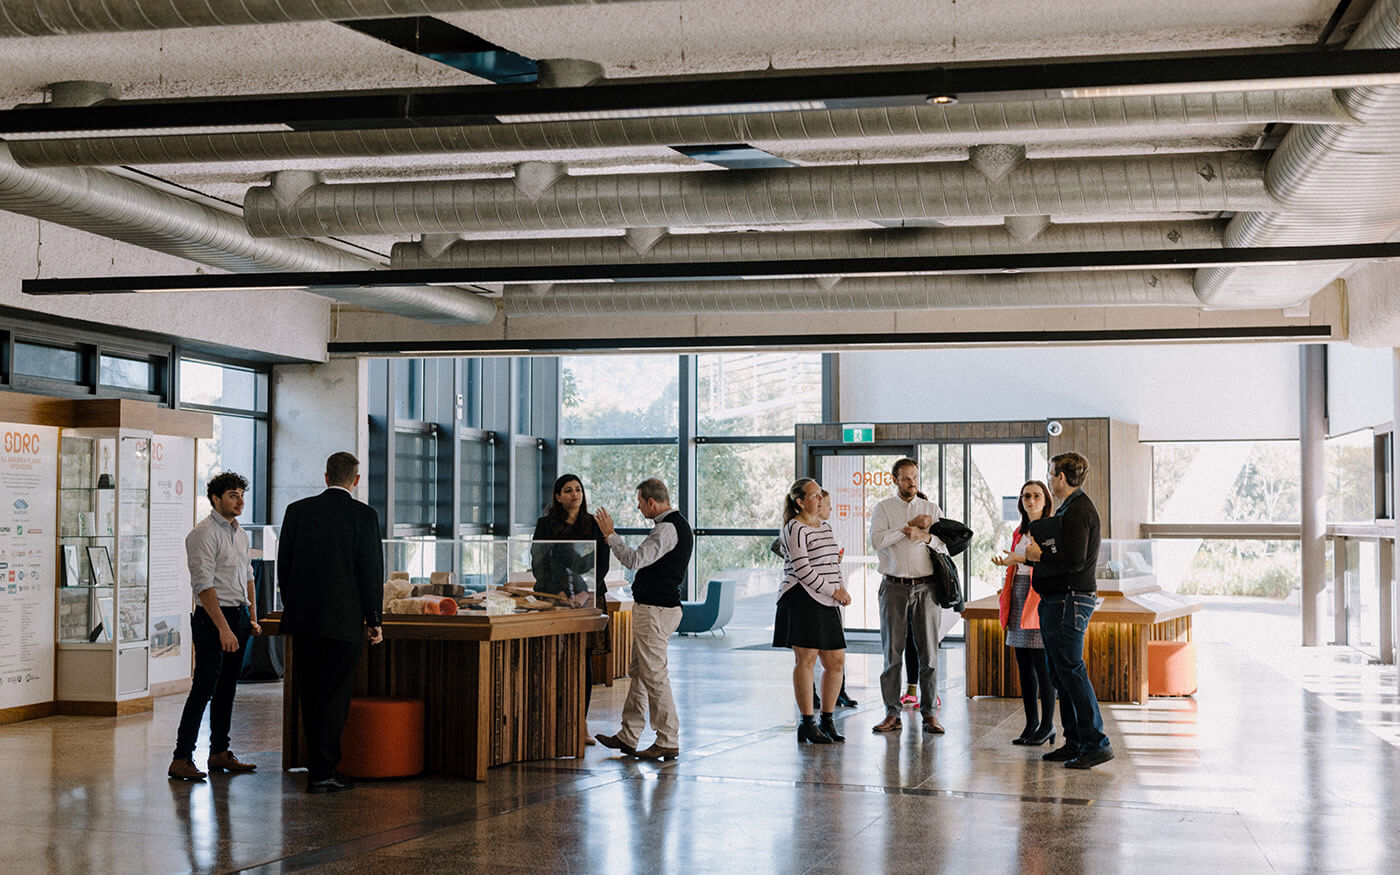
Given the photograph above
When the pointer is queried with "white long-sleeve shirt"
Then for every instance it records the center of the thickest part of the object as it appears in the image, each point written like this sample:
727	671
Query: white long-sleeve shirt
898	555
661	540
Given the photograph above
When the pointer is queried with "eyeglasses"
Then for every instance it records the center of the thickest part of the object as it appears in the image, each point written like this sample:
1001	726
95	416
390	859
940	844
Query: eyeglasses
1026	495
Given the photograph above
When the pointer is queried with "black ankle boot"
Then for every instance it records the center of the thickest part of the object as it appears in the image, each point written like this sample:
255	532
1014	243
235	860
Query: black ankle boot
828	728
807	731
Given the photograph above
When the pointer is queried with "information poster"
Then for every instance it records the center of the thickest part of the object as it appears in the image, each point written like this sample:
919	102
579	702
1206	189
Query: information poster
28	562
172	511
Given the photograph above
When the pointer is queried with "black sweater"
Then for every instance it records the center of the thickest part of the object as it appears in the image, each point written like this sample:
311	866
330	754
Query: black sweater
1070	568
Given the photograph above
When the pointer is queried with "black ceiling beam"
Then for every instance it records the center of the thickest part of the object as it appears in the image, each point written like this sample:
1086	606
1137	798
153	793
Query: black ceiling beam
928	265
745	92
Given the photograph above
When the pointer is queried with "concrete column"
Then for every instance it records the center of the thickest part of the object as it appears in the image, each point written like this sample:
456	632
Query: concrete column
316	410
1312	432
1394	606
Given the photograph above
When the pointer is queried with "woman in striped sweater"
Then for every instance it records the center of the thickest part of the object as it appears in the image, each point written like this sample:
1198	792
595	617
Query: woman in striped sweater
808	619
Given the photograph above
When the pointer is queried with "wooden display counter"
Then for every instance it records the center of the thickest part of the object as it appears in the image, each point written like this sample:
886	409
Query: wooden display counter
495	689
608	667
1135	611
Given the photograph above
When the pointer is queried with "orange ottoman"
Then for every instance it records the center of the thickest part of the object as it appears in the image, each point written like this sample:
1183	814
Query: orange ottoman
383	738
1171	668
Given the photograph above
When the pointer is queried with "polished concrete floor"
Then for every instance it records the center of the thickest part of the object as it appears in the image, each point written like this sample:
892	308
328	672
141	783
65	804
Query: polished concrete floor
1286	761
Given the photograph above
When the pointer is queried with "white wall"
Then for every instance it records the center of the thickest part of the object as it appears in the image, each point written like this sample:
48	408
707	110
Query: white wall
290	324
1360	393
316	410
1173	392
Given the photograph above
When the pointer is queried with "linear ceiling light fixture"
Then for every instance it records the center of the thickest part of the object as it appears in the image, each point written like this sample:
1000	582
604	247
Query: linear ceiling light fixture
762	92
942	265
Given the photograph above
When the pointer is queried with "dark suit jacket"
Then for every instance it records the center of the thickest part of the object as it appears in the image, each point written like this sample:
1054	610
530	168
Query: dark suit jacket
330	567
1070	568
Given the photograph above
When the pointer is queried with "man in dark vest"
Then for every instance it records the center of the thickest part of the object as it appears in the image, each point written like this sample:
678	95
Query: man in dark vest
660	563
330	569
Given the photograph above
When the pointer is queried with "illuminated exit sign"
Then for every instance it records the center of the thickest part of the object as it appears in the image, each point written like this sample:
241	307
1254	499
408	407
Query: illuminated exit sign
860	433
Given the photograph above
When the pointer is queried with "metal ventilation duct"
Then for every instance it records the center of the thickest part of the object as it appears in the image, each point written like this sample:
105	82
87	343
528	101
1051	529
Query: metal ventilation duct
934	126
50	17
1332	184
884	192
1083	289
122	209
775	245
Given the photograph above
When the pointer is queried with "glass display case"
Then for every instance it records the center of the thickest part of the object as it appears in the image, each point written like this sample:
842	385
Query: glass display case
104	546
1125	566
461	568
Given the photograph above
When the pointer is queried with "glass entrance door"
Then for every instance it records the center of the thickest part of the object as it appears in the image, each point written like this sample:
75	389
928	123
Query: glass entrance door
857	481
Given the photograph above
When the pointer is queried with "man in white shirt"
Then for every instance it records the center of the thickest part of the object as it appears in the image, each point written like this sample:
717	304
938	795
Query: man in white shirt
221	576
661	563
899	532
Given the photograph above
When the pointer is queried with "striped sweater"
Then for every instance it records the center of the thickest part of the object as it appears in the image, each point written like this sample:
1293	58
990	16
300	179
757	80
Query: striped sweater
811	559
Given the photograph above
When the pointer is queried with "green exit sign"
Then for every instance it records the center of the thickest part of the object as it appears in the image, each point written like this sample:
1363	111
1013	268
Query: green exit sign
860	433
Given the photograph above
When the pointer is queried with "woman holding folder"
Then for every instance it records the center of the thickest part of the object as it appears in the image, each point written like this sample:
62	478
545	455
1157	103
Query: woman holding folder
1021	620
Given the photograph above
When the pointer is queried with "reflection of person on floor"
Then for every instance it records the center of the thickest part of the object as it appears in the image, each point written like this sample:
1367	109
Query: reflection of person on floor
1019	610
221	576
330	570
899	532
660	563
808	617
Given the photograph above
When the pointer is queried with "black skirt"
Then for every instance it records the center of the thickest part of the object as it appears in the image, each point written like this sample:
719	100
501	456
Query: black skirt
802	622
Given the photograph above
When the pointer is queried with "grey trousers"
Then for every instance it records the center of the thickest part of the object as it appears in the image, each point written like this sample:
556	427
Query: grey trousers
899	603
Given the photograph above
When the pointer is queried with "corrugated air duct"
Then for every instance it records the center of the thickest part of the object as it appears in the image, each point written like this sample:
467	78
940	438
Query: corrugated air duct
1332	183
884	192
51	17
126	210
934	126
777	245
1084	289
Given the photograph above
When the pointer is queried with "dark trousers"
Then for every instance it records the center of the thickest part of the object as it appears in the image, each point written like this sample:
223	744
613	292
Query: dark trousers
1064	618
911	656
324	672
215	679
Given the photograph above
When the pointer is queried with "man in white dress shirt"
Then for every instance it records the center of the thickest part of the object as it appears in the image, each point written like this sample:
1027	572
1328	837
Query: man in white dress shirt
899	532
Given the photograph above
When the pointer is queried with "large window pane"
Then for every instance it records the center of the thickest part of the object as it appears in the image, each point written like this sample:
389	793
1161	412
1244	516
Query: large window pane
220	386
757	393
741	486
232	448
49	362
1226	481
1351	478
415	474
745	559
477	482
531	502
619	396
1221	567
998	470
610	475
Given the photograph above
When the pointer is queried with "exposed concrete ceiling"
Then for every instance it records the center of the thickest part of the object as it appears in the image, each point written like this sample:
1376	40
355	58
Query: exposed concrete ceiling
1094	164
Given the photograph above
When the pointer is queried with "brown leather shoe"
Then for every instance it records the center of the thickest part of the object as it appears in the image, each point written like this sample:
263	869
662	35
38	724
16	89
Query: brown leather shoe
227	762
889	724
184	770
932	725
657	752
612	742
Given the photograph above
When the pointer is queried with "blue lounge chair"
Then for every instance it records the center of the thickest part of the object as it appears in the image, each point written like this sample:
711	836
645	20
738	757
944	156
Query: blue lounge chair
713	613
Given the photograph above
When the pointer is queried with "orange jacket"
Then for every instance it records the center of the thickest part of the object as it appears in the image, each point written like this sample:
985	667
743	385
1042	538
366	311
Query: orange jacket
1030	614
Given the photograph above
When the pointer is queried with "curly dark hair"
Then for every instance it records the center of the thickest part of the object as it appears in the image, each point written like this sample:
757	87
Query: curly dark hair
225	482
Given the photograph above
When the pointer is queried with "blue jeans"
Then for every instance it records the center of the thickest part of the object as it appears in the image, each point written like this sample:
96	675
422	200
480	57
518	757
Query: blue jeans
1064	617
215	678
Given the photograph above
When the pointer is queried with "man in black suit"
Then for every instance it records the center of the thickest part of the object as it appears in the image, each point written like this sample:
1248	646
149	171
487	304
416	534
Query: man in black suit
330	570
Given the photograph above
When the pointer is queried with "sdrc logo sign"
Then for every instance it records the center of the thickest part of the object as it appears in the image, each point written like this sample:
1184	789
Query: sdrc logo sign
19	442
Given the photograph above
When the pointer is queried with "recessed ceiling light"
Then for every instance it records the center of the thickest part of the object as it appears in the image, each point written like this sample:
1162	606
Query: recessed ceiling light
942	99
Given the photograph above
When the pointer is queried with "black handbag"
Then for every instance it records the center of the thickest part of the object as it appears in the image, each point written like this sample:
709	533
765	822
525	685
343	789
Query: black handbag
947	591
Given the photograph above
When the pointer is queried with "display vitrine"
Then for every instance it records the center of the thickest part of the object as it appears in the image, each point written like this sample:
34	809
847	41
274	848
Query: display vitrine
104	552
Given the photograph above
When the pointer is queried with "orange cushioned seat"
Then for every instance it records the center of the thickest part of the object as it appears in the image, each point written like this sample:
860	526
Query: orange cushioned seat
1171	668
383	738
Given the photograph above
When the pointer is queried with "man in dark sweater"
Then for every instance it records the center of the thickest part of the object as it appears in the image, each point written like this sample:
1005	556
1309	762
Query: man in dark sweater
1064	579
660	563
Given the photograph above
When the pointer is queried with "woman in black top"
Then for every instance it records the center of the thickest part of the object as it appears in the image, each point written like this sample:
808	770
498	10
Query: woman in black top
559	569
